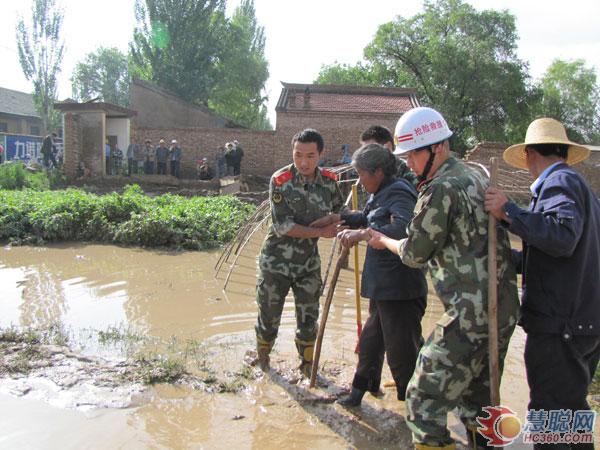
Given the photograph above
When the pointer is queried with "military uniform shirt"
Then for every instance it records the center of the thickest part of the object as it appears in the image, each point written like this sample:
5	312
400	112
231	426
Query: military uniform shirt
294	200
449	232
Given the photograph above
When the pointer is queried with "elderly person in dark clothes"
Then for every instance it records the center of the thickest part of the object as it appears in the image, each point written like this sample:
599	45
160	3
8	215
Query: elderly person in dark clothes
397	294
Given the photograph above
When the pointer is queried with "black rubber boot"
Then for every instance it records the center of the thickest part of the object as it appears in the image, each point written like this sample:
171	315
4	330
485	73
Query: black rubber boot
354	399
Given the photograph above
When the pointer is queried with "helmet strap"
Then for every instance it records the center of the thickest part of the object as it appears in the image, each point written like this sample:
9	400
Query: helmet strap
428	165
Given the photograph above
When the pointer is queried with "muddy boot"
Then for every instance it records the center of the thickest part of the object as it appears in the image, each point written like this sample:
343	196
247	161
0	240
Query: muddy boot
305	350
354	399
476	440
263	349
305	368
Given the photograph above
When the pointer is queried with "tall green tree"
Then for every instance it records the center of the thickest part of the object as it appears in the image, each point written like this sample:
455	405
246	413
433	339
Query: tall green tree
102	74
178	43
570	93
462	62
41	51
244	71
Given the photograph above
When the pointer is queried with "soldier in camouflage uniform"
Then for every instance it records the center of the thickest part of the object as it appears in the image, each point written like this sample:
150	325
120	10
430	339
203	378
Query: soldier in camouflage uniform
299	194
449	233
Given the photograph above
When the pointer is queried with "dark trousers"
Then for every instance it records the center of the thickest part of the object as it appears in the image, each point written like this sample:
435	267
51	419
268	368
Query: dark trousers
108	166
149	167
393	329
130	166
559	373
161	168
175	168
237	168
49	158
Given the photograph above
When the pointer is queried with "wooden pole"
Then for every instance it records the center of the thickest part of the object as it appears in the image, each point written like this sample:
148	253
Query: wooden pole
326	306
493	298
356	276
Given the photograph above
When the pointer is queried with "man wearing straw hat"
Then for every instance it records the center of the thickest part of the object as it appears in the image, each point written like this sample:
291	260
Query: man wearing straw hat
449	233
560	262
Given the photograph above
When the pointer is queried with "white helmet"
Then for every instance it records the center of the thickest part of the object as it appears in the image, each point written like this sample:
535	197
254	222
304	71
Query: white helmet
420	127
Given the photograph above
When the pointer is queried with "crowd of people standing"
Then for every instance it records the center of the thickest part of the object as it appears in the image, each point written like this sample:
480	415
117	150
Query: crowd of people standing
166	160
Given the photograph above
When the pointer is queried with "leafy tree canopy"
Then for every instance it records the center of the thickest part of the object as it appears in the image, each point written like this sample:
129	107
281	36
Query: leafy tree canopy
244	71
461	61
190	48
102	74
41	51
572	95
178	43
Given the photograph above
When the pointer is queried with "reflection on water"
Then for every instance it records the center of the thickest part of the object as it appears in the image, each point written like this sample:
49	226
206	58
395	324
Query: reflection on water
166	294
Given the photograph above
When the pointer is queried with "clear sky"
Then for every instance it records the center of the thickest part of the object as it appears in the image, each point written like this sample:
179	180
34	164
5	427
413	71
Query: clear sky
303	35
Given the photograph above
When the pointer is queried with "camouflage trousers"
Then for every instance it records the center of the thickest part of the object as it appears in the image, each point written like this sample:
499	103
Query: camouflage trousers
271	290
452	372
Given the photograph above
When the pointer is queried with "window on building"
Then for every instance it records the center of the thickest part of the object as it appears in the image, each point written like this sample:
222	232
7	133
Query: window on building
35	131
3	127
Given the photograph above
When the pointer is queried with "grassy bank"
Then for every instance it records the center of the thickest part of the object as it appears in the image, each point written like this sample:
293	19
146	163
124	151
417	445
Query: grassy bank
37	217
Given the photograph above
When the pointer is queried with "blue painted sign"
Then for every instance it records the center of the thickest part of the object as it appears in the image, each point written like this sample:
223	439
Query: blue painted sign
25	148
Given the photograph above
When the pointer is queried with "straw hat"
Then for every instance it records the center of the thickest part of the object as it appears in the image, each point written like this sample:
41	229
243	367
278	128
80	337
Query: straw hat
545	131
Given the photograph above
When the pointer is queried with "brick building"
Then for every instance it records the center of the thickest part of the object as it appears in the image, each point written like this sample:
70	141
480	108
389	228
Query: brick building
86	128
18	114
340	113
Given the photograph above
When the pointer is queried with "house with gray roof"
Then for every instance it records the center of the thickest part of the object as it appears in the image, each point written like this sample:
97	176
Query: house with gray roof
17	113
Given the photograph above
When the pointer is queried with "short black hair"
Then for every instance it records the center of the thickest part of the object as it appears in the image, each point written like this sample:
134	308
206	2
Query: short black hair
309	135
560	150
377	133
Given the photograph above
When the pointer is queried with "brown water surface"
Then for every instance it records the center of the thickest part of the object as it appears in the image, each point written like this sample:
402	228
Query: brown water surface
175	296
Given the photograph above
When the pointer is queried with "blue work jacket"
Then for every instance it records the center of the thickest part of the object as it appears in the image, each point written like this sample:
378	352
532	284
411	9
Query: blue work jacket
384	276
560	261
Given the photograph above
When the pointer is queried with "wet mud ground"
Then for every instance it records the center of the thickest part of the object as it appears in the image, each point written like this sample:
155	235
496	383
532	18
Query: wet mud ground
124	315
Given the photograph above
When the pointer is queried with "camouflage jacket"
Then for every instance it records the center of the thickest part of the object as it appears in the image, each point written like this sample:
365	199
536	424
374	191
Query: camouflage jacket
449	232
296	201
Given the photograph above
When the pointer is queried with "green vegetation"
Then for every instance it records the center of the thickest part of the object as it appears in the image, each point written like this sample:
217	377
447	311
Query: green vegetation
41	51
20	349
195	51
103	74
464	63
14	175
132	218
159	370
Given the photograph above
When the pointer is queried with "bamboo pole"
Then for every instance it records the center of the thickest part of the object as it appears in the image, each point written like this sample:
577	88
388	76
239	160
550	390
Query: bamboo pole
241	249
356	276
326	306
493	298
333	247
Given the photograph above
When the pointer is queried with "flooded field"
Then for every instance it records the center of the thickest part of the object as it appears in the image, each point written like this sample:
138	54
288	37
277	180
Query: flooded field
171	302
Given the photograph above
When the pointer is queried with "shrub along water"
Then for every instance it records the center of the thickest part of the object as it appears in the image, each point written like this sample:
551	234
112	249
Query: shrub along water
14	175
36	217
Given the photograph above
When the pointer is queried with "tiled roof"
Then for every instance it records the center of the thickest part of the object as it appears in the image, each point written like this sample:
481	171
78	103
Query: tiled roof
18	103
346	99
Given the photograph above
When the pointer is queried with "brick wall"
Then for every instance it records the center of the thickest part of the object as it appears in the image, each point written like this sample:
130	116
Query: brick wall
197	143
267	151
336	129
518	181
158	108
72	144
92	129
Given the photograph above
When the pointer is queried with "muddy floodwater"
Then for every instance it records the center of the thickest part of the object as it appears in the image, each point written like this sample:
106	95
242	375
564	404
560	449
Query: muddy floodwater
172	299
